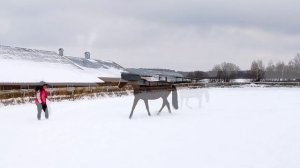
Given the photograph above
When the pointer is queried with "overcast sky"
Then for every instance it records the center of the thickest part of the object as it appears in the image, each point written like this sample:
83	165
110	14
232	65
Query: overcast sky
176	34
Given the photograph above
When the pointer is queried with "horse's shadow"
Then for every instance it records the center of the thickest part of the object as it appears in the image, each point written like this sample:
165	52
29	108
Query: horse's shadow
191	94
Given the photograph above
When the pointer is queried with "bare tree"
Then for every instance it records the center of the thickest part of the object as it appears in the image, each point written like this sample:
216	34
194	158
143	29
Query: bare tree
296	61
218	73
280	70
257	70
270	71
294	67
226	71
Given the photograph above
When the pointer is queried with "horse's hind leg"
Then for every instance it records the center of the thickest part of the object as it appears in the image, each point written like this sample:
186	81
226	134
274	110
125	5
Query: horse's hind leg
200	102
133	106
187	103
181	102
163	105
147	107
168	105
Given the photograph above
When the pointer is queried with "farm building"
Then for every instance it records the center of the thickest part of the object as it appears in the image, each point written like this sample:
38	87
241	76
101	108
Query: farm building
157	74
107	71
29	66
22	69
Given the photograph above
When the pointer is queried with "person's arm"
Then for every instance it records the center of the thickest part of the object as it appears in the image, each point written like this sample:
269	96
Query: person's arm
38	97
43	96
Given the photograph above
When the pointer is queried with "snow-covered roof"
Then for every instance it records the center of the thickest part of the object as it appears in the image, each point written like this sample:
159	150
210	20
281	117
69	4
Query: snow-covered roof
100	68
22	65
25	54
155	72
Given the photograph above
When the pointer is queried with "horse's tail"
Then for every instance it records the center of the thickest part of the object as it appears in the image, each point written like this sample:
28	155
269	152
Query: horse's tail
174	97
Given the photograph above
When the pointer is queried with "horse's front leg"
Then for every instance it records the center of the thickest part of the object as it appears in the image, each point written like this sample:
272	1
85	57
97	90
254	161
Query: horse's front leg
147	107
135	101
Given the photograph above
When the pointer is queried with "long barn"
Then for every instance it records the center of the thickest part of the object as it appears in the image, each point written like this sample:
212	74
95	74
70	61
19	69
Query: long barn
22	69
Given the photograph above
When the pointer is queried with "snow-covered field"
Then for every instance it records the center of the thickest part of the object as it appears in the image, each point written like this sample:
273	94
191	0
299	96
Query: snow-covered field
234	128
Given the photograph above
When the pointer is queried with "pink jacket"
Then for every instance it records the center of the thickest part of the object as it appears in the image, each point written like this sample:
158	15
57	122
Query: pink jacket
43	96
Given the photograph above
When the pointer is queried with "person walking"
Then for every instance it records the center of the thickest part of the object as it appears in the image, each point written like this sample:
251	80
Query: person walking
41	101
44	100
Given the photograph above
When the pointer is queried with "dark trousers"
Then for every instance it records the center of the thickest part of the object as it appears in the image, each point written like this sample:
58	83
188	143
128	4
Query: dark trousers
41	107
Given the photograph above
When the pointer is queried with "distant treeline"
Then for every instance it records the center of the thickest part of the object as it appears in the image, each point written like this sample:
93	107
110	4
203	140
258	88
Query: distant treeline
225	71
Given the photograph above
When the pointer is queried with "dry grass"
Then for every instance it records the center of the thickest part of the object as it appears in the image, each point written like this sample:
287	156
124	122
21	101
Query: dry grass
19	96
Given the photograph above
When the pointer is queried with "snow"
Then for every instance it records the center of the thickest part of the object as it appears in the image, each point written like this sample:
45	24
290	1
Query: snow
109	72
13	71
241	80
233	128
253	85
16	53
155	72
22	65
99	68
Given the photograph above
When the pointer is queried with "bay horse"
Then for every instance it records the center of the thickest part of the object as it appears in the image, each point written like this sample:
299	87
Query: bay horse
146	92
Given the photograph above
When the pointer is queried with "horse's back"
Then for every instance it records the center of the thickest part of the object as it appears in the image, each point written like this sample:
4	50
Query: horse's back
152	93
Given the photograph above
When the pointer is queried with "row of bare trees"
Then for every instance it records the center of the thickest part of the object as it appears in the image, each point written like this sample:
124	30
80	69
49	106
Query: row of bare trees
276	72
279	71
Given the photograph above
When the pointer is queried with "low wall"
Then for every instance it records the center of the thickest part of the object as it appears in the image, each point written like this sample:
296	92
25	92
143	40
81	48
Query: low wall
18	96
